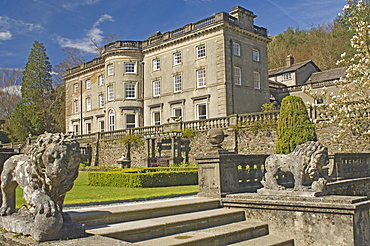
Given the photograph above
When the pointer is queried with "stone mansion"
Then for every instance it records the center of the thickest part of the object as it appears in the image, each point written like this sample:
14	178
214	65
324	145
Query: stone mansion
211	68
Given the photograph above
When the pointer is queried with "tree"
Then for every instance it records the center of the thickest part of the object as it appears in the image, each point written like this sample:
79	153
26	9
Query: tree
350	107
294	125
32	114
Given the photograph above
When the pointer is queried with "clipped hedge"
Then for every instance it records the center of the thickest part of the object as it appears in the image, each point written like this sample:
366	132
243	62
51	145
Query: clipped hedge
151	178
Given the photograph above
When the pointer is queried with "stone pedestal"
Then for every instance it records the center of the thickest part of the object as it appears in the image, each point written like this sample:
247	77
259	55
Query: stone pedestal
314	221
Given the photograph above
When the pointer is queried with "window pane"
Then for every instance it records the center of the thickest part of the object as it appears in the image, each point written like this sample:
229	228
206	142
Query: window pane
130	91
156	88
88	104
156	64
257	80
201	77
256	55
177	83
177	58
201	51
110	93
236	49
156	118
202	111
101	101
130	121
237	75
110	69
111	120
177	112
101	79
129	67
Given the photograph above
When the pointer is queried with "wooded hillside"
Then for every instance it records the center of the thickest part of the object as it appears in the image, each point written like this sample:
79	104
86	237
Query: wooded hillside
323	44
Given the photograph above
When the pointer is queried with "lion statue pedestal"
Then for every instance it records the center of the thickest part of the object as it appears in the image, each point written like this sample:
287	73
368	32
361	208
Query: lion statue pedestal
305	162
45	174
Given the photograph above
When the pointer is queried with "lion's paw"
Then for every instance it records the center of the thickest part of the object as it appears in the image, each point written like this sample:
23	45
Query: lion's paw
6	210
49	208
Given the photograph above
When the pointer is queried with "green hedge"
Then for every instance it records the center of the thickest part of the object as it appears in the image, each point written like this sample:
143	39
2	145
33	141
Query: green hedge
124	178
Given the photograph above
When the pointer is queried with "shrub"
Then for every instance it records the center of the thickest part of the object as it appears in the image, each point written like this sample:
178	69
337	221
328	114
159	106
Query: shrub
143	179
294	125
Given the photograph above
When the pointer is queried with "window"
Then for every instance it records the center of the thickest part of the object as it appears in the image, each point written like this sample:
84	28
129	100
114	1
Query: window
75	106
177	58
156	88
75	129
237	75
177	83
101	79
236	49
130	91
202	111
111	120
156	118
101	125
287	76
201	51
110	93
130	121
201	78
177	112
88	128
156	64
88	84
256	55
75	87
257	80
88	104
130	67
101	101
110	69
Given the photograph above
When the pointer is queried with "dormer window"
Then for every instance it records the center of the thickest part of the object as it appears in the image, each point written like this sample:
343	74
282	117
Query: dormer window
287	76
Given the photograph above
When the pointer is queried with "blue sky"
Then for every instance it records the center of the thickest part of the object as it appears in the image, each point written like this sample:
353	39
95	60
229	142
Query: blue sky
73	23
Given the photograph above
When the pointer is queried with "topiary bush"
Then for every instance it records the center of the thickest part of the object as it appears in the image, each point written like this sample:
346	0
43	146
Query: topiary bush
294	125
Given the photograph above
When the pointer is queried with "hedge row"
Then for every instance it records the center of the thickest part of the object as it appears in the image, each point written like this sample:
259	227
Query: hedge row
152	169
144	180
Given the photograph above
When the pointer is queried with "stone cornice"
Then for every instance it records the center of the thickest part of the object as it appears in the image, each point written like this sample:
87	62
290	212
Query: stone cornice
83	71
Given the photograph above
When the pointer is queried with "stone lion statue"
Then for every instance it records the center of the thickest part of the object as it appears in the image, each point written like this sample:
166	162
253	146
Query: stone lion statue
45	174
305	161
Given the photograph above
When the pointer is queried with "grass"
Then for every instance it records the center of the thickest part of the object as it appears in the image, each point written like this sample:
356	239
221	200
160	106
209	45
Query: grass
83	193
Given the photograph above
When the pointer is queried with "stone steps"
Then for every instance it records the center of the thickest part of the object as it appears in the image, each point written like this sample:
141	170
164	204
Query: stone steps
190	221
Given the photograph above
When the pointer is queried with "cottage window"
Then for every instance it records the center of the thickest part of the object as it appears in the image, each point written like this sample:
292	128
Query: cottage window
287	76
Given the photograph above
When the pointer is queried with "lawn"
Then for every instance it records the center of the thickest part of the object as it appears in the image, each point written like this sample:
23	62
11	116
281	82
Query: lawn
83	193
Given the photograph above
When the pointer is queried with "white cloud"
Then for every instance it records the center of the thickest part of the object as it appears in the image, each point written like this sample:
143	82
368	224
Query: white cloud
74	3
10	27
94	34
5	35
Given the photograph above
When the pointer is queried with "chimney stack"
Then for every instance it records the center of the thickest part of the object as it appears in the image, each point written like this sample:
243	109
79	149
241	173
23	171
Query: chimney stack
289	60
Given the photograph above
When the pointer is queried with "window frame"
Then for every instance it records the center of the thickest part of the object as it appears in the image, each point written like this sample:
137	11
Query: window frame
201	51
88	127
101	125
199	116
129	68
87	84
88	103
130	125
111	119
130	93
75	87
256	55
101	79
201	80
154	122
257	80
101	100
177	108
156	64
177	83
237	75
236	49
75	106
287	76
177	58
156	88
110	93
110	69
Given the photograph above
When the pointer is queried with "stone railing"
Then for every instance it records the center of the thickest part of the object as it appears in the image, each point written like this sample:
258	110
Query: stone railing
227	172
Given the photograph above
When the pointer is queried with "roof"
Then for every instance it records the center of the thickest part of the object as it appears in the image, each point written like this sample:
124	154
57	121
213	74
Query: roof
328	75
276	84
291	68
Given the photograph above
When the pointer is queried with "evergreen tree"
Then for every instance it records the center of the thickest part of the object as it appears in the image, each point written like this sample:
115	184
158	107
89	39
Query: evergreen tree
32	114
294	125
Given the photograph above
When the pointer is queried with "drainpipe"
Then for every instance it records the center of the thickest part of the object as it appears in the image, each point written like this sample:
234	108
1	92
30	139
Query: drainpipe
81	108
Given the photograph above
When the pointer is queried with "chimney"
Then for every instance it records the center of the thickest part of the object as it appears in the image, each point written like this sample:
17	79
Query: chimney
289	60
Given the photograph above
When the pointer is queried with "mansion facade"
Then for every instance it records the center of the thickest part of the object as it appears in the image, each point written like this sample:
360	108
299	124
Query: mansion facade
211	68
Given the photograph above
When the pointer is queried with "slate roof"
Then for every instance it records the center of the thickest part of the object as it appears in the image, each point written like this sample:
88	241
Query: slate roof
291	68
328	75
